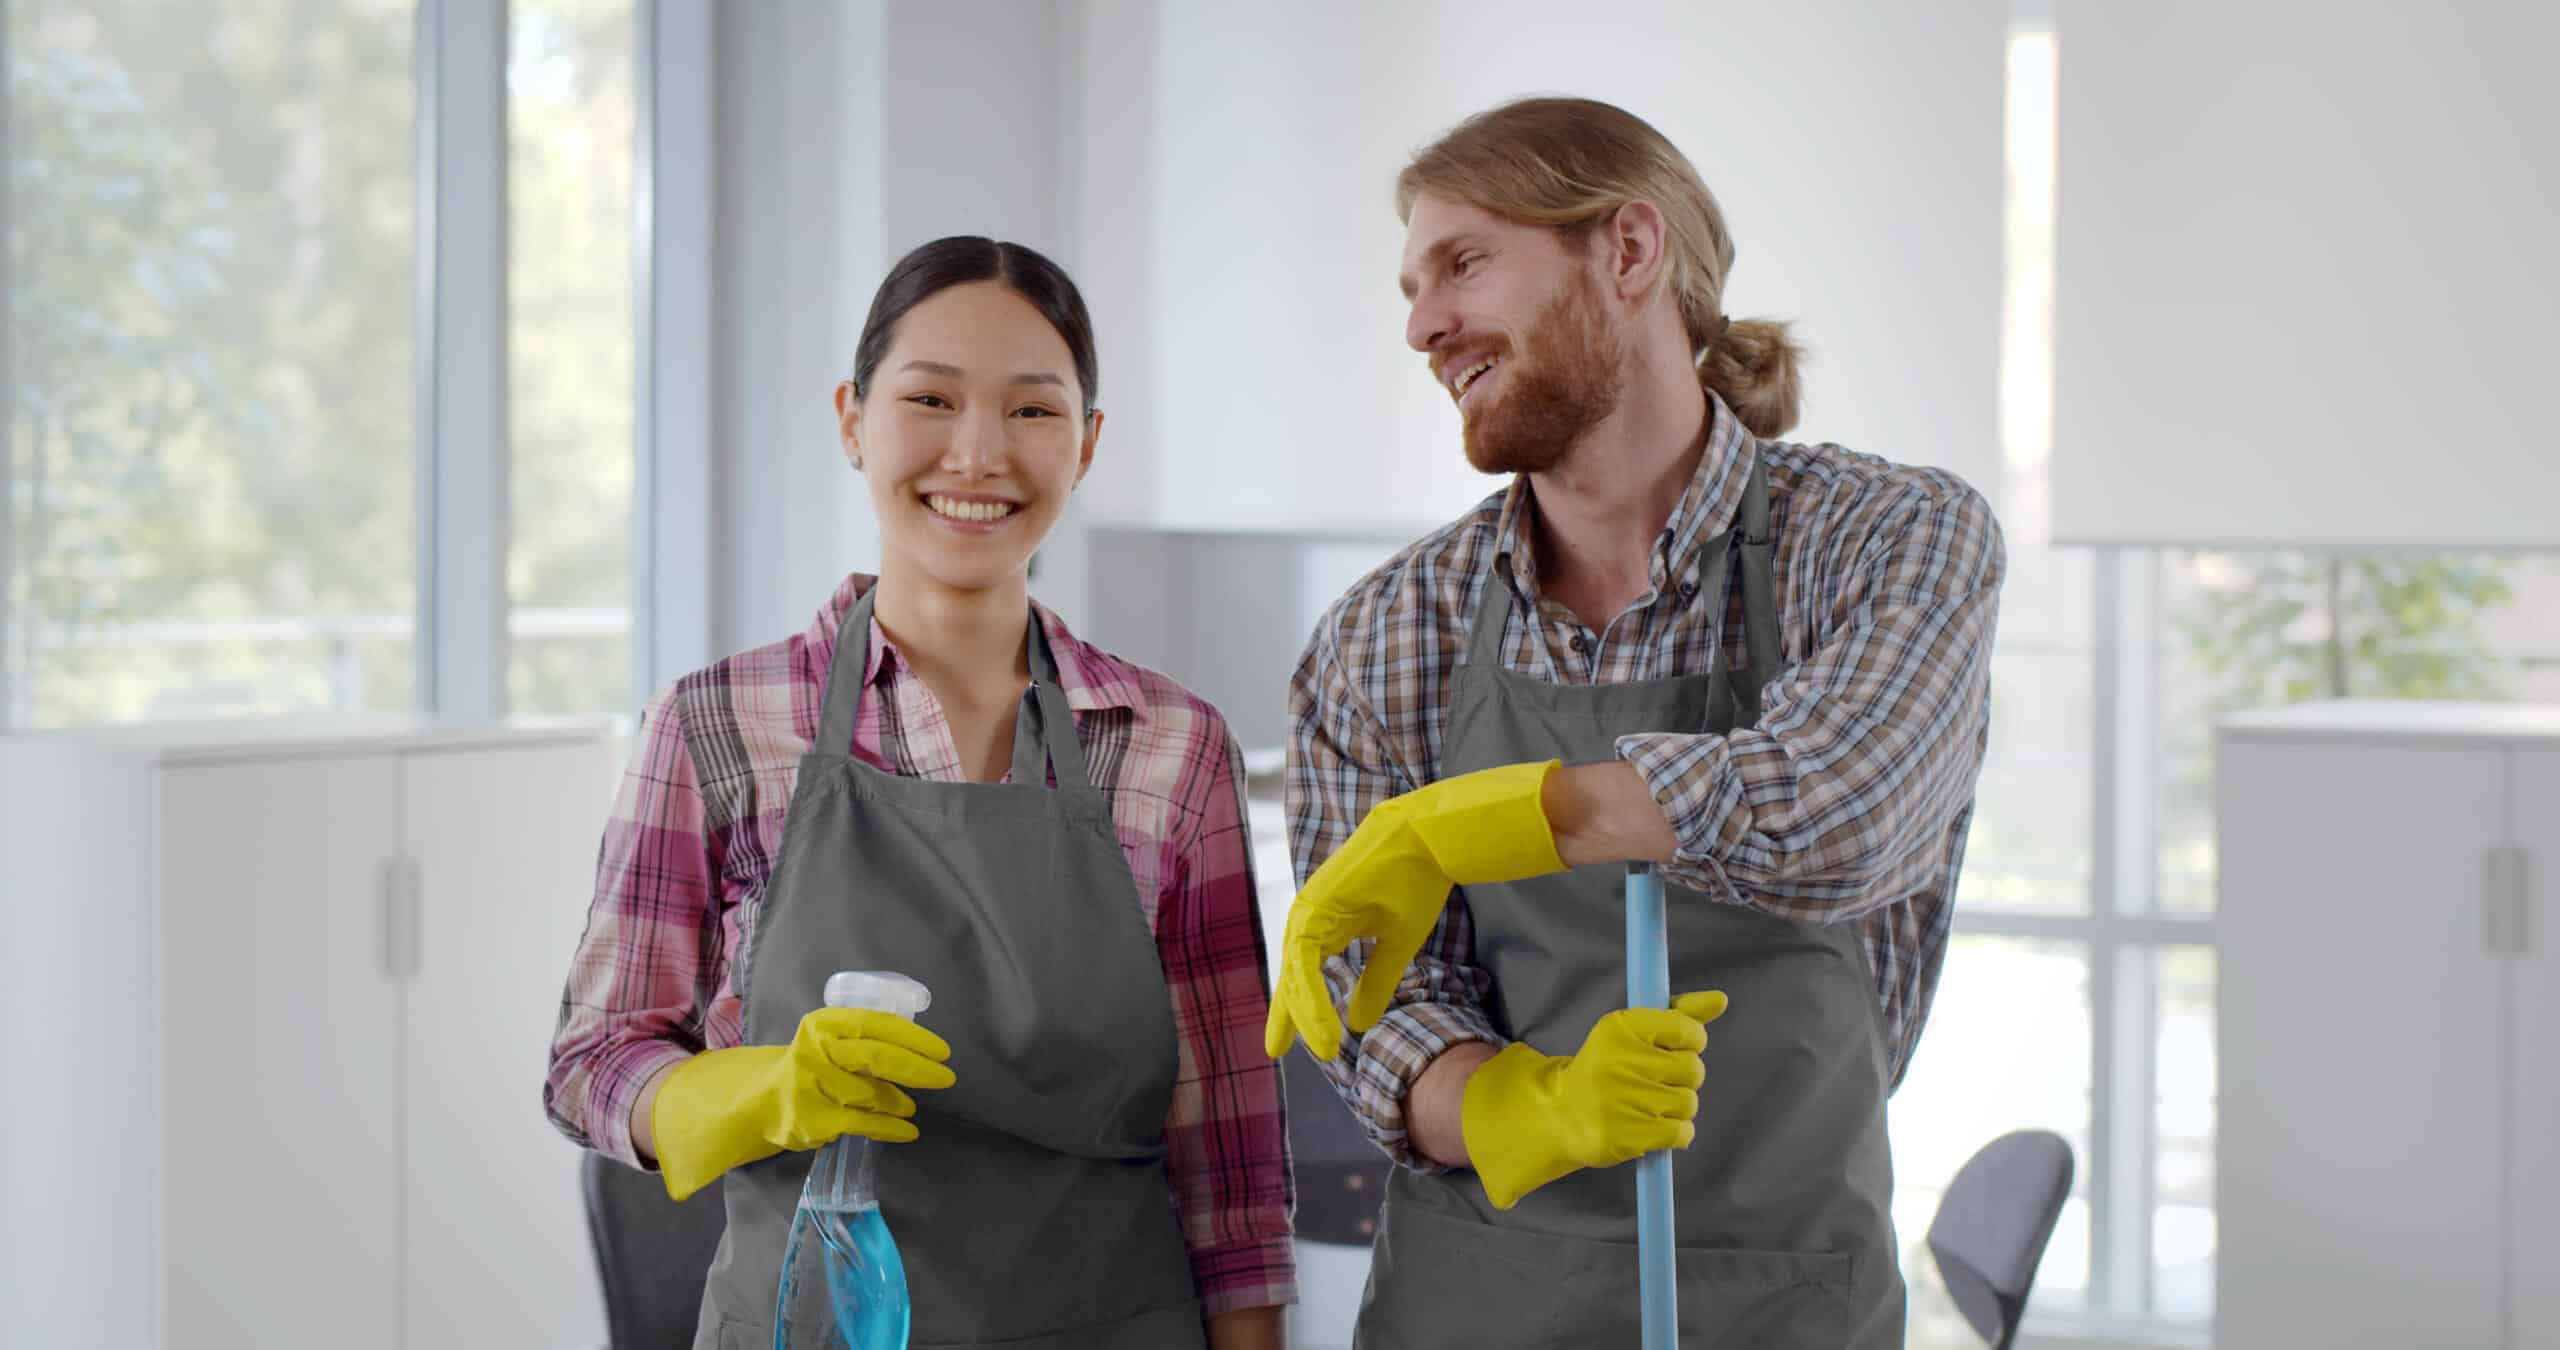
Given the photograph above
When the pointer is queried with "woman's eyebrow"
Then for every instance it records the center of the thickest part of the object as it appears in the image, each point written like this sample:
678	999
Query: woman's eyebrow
954	372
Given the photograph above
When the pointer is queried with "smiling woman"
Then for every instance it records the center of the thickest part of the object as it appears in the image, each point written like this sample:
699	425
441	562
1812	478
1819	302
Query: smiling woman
937	778
970	416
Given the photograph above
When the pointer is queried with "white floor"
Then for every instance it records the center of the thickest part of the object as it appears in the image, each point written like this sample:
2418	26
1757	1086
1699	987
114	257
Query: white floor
1330	1278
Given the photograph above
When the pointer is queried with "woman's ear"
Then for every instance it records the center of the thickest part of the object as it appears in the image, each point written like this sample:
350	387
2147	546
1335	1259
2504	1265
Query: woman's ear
849	422
1092	434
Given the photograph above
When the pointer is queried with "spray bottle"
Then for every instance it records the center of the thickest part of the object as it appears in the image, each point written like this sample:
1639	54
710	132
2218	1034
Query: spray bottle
866	1283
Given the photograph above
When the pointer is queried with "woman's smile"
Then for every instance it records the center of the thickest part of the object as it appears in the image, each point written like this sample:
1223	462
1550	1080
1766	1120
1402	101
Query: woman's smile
970	512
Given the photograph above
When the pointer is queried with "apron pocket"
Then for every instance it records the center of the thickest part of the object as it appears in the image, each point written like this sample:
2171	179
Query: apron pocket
1179	1327
1172	1328
1731	1297
1442	1279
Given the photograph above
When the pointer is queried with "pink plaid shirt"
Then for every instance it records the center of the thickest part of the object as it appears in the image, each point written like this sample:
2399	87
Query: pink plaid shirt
698	823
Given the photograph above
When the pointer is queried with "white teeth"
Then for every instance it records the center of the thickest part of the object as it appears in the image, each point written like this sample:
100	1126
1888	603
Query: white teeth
1468	376
957	509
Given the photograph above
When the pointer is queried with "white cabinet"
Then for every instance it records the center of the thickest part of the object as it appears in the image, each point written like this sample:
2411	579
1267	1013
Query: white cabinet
279	1109
2533	1266
2389	1022
276	1045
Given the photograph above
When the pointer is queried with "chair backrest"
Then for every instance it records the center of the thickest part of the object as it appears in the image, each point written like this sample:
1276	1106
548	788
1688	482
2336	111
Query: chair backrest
1341	1175
652	1254
1992	1225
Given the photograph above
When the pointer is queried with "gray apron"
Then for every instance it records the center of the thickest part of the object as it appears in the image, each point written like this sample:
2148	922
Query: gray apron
1781	1204
1034	1211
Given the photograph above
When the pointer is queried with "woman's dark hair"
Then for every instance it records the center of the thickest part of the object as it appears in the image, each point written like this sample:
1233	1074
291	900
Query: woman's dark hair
963	258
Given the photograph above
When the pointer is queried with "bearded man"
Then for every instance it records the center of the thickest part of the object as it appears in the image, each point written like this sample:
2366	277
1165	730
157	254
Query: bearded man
1670	639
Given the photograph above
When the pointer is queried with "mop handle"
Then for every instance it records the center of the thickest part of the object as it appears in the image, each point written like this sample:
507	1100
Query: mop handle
1649	986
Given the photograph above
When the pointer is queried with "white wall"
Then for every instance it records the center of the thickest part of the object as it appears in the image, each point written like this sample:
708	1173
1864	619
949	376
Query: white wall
972	102
1231	216
844	135
1227	613
2305	280
1234	216
791	133
1107	195
1217	179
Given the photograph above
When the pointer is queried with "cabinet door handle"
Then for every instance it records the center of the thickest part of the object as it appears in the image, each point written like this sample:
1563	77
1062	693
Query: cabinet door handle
2505	904
386	916
399	917
2524	911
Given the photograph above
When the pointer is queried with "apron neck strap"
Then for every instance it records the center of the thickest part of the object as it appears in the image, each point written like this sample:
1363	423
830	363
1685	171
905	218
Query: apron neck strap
1493	615
1044	728
1761	639
843	707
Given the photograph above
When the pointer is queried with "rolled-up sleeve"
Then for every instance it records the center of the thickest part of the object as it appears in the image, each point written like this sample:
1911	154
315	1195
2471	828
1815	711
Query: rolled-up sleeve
641	983
1840	801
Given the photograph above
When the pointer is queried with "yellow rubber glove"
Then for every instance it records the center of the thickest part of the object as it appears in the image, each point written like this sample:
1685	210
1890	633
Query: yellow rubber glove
1632	1089
1391	879
840	1075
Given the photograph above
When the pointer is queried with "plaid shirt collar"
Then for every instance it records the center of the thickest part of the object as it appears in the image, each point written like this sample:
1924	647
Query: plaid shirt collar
1089	684
1706	509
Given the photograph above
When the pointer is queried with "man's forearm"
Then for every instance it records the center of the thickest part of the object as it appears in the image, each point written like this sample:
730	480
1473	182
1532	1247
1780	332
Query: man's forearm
1435	1106
1605	812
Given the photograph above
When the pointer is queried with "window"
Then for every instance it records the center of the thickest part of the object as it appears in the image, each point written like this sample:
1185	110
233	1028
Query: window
2251	629
570	301
2079	989
212	457
211	266
2182	1245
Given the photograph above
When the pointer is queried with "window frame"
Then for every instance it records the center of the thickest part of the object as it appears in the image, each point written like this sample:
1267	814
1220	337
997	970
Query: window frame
461	450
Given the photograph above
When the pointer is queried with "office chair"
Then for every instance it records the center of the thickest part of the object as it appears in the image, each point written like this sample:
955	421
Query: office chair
1992	1225
652	1254
1342	1177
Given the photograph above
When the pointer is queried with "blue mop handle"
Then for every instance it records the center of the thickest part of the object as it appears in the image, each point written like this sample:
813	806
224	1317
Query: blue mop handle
1649	986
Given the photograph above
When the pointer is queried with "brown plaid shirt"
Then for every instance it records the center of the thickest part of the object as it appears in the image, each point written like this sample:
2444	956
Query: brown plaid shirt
1849	803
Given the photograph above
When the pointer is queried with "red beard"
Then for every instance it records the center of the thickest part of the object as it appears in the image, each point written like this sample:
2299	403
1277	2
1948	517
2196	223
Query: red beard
1563	383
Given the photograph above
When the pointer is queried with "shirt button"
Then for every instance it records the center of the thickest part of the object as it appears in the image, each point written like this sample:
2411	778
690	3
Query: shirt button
1580	644
1688	590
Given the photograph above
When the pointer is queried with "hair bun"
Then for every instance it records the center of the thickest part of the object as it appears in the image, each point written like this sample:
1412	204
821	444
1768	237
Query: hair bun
1756	367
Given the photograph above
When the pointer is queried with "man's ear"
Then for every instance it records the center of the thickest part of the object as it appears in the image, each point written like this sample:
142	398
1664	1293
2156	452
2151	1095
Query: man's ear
1638	241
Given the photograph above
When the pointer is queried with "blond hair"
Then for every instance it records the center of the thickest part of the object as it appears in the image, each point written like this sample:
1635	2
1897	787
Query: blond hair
1569	164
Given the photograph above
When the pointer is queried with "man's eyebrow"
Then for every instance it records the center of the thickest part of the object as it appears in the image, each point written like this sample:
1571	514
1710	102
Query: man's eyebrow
1431	258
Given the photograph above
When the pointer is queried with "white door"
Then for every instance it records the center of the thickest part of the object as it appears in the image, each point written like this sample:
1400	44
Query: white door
2535	1264
2359	1167
279	1049
505	843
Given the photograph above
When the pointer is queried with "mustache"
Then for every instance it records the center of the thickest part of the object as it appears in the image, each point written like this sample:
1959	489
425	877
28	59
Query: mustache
1440	363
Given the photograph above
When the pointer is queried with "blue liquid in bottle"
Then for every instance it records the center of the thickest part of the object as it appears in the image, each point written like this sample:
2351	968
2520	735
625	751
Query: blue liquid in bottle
866	1283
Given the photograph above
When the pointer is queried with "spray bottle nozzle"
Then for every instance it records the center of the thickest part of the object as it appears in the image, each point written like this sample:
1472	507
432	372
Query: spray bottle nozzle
884	990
